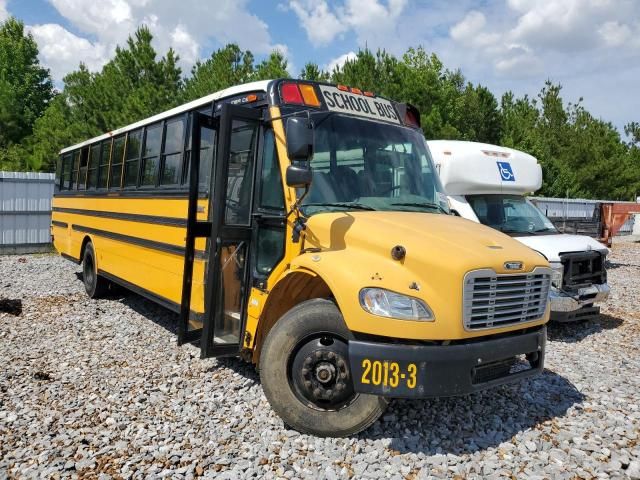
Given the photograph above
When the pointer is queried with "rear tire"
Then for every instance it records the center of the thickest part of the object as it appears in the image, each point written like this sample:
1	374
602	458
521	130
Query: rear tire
304	370
95	285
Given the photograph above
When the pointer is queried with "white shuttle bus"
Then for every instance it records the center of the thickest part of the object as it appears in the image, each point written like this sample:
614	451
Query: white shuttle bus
487	184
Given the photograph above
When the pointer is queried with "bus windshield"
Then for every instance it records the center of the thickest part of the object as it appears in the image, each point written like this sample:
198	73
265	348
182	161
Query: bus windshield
511	214
367	165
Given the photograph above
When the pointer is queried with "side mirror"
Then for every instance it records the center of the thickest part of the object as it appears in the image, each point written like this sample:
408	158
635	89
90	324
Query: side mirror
299	176
299	139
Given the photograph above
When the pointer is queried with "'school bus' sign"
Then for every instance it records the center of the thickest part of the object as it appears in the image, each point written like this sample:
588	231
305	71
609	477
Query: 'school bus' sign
360	105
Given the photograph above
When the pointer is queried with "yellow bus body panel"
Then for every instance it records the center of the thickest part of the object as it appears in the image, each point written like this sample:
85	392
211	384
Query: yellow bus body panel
355	252
149	268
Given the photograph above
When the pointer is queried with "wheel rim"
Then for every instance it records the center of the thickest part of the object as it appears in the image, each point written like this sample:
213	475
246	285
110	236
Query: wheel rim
319	373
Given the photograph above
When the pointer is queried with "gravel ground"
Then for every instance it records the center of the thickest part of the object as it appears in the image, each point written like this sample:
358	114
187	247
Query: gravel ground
99	389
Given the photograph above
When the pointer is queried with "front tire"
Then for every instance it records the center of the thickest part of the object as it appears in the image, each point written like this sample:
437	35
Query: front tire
95	285
304	370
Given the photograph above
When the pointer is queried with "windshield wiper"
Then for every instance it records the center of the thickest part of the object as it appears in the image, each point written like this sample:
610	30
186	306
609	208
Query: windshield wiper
433	206
355	205
546	229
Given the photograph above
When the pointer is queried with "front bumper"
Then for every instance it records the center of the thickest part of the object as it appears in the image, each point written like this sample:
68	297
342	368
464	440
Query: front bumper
569	302
448	370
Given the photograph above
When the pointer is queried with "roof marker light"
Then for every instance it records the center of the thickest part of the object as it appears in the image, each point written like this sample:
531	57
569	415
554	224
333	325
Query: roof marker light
368	94
344	88
355	90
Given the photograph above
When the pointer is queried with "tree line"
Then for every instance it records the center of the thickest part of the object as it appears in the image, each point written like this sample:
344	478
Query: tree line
581	155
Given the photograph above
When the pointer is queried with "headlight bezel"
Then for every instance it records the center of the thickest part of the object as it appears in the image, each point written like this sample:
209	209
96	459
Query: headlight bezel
557	274
387	305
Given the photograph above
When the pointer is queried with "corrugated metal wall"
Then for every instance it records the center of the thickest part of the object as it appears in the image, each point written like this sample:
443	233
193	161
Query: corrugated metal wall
576	209
25	211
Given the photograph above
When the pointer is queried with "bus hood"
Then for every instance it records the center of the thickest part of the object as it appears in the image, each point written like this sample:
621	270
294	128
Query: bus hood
352	250
551	246
427	238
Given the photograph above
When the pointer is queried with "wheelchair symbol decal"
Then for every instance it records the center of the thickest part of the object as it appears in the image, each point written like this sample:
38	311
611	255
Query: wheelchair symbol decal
506	173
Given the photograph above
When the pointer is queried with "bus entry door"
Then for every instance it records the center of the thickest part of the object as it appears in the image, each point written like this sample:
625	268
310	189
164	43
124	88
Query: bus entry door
227	284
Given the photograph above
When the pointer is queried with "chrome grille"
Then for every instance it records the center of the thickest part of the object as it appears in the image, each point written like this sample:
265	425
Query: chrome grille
492	300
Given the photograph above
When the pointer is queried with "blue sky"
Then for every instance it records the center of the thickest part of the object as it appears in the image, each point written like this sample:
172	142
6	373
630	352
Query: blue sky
592	47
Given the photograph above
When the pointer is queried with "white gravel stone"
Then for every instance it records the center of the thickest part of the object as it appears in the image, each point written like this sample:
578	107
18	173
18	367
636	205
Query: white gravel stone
100	389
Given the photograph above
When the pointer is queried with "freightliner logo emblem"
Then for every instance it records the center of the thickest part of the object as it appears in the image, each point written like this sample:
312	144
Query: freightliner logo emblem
513	265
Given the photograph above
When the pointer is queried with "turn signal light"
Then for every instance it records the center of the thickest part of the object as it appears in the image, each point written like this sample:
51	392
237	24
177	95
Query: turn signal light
309	95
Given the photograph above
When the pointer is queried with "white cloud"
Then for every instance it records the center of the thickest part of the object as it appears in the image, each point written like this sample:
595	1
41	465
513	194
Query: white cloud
62	51
321	24
3	10
185	25
533	33
614	33
339	61
373	21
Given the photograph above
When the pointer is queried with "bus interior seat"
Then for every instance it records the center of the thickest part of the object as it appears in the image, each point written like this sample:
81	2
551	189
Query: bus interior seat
321	190
346	183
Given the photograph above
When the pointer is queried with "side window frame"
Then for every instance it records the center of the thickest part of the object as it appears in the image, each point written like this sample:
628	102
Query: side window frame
104	168
83	169
266	219
181	151
144	158
122	137
137	160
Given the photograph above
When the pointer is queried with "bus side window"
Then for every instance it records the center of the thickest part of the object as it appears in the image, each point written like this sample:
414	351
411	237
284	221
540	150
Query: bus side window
92	169
82	173
132	158
103	172
58	183
271	192
66	171
151	155
207	151
117	158
74	170
172	152
271	238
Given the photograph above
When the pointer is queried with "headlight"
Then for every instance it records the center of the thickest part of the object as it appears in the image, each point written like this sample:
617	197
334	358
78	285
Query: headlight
556	274
385	303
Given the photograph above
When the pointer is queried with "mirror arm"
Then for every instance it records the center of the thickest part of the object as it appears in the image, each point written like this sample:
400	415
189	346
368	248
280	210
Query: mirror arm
300	223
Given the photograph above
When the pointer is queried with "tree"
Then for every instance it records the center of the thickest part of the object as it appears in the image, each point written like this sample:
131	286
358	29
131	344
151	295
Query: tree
274	66
226	67
134	85
25	87
312	72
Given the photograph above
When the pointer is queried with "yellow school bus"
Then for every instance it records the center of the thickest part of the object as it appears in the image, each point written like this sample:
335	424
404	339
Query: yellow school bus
302	226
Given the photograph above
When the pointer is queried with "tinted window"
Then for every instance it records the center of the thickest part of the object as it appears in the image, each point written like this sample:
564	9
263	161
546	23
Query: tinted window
132	157
94	162
240	176
151	157
117	157
173	146
271	193
75	163
103	173
82	173
207	152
